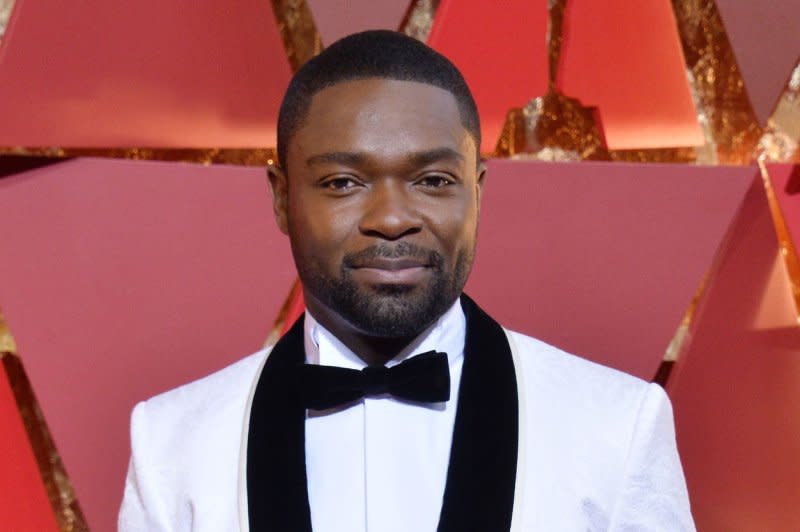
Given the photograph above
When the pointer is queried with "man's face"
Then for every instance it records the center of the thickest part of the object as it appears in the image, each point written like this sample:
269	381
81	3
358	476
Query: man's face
380	200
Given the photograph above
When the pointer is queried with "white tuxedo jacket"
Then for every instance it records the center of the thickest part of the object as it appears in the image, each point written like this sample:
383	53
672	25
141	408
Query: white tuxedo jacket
596	450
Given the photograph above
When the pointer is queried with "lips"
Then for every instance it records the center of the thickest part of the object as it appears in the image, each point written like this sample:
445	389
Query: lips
390	264
382	270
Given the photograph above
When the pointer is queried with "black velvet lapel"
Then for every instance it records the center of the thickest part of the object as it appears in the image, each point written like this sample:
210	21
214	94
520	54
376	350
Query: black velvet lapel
479	493
277	495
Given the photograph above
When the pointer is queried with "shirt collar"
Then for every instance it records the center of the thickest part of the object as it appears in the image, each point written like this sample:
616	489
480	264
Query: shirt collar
445	335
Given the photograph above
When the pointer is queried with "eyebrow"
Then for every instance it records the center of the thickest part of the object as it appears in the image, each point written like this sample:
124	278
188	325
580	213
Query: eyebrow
420	158
439	154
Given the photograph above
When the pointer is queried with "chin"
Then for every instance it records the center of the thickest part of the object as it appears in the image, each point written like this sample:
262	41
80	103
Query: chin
396	311
385	310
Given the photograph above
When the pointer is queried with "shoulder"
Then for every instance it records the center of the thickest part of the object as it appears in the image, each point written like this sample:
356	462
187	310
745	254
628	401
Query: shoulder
174	429
578	379
195	406
599	443
207	394
586	409
185	447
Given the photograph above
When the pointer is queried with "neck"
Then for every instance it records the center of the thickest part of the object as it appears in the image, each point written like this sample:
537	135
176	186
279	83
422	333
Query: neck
373	350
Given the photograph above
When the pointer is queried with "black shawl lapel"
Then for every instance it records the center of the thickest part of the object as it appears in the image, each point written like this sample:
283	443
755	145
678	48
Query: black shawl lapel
479	493
277	495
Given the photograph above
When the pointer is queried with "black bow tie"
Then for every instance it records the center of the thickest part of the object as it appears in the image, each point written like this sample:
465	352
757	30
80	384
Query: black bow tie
423	378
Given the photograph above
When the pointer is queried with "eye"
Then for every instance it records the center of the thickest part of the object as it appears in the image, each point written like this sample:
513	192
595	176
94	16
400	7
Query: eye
340	183
436	180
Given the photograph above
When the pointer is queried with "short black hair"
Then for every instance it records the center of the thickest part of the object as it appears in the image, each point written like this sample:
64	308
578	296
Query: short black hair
373	54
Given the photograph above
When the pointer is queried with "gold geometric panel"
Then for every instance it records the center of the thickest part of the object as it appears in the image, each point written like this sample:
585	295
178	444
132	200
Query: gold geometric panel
781	139
298	31
240	157
7	344
419	19
729	122
6	6
552	127
59	490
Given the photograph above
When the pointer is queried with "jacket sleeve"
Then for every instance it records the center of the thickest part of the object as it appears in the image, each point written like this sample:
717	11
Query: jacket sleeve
145	492
654	495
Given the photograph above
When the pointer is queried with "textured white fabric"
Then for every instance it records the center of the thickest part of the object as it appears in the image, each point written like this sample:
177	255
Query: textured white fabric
388	457
599	450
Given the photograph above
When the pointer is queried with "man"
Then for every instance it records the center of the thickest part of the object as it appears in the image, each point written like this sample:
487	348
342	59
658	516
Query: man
473	427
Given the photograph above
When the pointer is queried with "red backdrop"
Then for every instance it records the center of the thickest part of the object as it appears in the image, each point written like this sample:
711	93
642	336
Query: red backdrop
130	278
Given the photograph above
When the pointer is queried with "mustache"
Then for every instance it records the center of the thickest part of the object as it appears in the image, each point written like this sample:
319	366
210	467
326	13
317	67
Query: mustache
396	251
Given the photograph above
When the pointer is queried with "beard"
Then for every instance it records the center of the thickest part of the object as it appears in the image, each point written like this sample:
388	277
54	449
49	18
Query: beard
390	310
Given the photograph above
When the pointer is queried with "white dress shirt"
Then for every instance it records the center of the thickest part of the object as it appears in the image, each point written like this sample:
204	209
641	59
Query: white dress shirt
381	465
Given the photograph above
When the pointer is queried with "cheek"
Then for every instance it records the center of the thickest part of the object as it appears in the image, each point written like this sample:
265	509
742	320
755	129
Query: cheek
324	228
305	218
460	217
317	236
455	230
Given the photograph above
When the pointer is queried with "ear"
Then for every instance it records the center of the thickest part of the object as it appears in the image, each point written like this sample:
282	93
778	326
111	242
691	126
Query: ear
280	196
481	172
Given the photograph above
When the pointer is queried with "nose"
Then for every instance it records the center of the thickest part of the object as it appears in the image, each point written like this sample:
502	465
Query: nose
390	213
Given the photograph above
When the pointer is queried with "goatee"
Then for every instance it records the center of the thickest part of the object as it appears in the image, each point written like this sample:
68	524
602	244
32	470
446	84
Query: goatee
390	310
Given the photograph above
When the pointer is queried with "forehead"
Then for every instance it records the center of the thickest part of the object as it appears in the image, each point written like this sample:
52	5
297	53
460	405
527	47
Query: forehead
382	116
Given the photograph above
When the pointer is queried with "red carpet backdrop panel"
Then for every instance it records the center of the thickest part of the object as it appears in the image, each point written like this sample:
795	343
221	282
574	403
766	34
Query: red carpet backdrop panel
735	387
766	42
132	278
601	259
163	73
